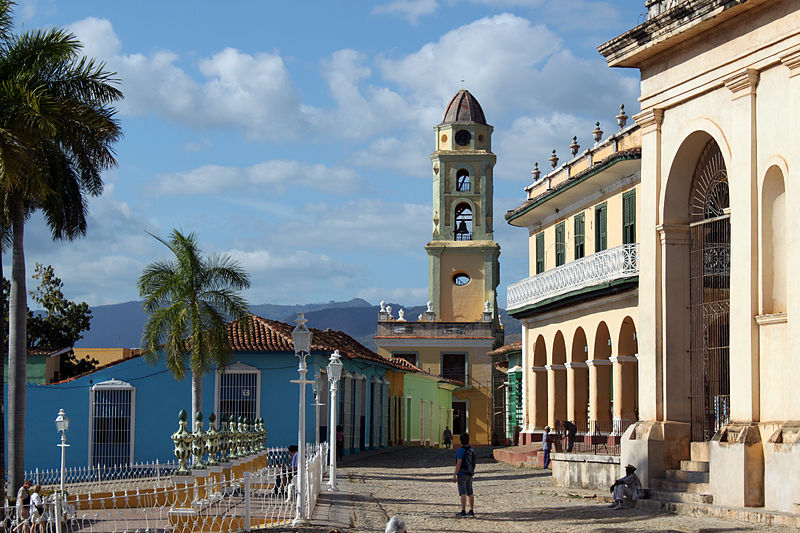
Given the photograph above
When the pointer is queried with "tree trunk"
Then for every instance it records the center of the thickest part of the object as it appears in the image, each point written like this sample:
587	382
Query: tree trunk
197	395
17	353
3	348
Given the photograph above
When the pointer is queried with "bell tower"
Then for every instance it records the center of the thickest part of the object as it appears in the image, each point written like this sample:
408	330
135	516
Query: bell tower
463	258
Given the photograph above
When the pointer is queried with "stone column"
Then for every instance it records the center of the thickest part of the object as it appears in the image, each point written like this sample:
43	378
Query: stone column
557	394
537	406
599	389
577	393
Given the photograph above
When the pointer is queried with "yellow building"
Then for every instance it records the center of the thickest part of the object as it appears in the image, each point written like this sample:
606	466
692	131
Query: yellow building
451	339
718	378
578	308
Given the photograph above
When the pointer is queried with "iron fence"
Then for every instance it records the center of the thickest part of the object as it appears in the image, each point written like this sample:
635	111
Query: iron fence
599	437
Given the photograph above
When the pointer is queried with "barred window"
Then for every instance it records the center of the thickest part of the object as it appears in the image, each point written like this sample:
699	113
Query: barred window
561	250
238	391
580	236
111	406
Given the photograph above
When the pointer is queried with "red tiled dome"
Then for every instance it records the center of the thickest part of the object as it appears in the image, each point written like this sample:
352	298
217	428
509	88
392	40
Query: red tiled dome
464	108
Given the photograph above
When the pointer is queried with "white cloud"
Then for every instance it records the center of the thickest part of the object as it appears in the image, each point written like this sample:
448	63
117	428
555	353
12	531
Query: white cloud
278	175
412	10
98	37
496	56
408	156
362	225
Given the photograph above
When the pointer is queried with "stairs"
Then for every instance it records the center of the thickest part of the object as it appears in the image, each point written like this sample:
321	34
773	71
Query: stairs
689	484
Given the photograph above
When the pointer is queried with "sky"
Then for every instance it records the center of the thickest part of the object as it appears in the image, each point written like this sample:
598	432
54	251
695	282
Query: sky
296	136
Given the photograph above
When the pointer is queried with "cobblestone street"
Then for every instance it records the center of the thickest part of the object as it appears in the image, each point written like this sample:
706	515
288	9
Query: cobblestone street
416	483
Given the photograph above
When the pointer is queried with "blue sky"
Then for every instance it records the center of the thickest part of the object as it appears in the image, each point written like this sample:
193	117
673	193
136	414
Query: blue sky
295	136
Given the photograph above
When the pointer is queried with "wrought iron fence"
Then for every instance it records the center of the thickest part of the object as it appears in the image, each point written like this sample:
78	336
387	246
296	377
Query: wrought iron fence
599	437
263	498
607	265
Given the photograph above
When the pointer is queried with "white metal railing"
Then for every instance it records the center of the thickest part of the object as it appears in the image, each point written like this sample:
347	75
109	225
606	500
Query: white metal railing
608	265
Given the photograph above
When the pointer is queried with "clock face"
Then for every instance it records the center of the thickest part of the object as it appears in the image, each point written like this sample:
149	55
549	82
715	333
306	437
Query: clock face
463	137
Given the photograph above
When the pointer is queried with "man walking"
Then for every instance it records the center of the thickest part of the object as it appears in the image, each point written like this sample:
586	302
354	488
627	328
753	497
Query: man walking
447	436
465	468
546	446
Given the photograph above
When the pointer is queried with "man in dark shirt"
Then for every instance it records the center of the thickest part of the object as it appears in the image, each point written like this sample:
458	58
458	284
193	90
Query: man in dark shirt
546	446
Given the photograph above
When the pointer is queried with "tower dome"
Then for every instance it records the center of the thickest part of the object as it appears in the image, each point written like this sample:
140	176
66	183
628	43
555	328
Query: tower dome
463	107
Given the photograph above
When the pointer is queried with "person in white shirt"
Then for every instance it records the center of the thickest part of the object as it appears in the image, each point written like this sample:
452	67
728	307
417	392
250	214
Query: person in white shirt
37	510
628	487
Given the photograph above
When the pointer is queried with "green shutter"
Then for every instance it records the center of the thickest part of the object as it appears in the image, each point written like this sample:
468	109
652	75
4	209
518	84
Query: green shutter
561	252
629	217
540	253
600	228
580	237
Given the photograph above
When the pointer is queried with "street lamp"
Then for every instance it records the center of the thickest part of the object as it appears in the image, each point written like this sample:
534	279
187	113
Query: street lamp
334	373
301	338
62	425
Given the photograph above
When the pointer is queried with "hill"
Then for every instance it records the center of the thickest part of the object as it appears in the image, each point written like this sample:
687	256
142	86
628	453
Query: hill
120	325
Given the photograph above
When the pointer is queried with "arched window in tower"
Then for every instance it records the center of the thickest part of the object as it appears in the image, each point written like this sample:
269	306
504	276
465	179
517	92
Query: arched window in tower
463	223
462	180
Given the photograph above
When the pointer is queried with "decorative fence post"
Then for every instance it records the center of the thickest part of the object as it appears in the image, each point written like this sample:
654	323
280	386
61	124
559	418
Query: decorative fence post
222	439
198	441
232	439
183	442
212	441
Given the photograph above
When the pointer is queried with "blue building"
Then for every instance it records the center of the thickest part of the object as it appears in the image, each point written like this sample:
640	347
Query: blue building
126	411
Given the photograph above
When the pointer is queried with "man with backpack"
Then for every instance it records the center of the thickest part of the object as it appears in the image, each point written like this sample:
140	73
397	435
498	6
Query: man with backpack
465	468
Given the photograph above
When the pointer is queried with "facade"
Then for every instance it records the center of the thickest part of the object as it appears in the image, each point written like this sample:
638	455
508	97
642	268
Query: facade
451	339
126	411
578	308
508	397
717	373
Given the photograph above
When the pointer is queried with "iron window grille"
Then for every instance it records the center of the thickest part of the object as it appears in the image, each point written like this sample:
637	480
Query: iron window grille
112	406
238	392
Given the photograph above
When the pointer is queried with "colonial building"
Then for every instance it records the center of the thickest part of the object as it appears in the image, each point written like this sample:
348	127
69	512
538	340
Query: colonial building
718	376
461	324
578	308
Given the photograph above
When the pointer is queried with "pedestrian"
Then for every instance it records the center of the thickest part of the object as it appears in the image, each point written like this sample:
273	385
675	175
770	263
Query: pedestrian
447	436
465	468
628	487
23	505
339	442
396	525
546	446
37	509
570	429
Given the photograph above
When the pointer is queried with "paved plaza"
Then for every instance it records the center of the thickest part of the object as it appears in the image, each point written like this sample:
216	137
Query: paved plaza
416	483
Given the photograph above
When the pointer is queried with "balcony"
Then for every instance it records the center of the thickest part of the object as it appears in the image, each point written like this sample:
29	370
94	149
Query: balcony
609	265
435	329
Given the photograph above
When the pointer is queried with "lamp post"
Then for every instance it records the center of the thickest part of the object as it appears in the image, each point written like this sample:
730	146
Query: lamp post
301	338
334	373
62	425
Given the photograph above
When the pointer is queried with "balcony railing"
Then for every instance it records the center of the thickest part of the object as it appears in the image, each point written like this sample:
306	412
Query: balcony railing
609	265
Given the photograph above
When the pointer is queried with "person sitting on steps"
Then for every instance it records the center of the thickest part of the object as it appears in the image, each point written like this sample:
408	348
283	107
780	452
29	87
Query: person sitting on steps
628	487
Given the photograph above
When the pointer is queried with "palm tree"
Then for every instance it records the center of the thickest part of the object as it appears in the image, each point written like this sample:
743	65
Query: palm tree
188	300
57	128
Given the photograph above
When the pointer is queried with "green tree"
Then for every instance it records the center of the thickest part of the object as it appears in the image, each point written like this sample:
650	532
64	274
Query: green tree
63	322
57	130
188	300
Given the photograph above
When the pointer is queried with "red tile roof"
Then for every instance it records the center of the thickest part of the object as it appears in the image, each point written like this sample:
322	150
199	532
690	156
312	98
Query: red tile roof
508	348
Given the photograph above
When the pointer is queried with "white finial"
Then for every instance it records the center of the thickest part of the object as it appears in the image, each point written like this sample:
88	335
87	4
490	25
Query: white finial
419	318
487	307
383	306
389	310
401	315
429	306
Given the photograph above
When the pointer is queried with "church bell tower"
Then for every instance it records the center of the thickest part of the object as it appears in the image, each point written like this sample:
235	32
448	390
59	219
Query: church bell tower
463	258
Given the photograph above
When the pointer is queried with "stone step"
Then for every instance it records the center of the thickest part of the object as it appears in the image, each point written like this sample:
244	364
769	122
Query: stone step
681	497
744	514
681	486
695	466
687	475
700	451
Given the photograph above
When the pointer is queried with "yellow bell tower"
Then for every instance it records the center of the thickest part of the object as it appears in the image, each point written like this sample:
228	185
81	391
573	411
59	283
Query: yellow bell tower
463	258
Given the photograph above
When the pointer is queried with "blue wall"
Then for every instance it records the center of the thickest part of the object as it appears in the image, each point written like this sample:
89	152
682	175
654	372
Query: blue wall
159	398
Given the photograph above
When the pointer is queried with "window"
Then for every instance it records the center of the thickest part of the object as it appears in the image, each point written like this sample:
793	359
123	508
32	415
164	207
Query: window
629	217
540	253
111	407
461	279
454	366
580	236
600	225
238	390
462	180
561	251
409	357
463	223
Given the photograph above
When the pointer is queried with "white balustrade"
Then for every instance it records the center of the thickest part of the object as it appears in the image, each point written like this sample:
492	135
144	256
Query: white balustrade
602	267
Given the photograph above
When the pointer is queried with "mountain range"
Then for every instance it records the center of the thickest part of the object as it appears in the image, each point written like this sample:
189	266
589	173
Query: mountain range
120	325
